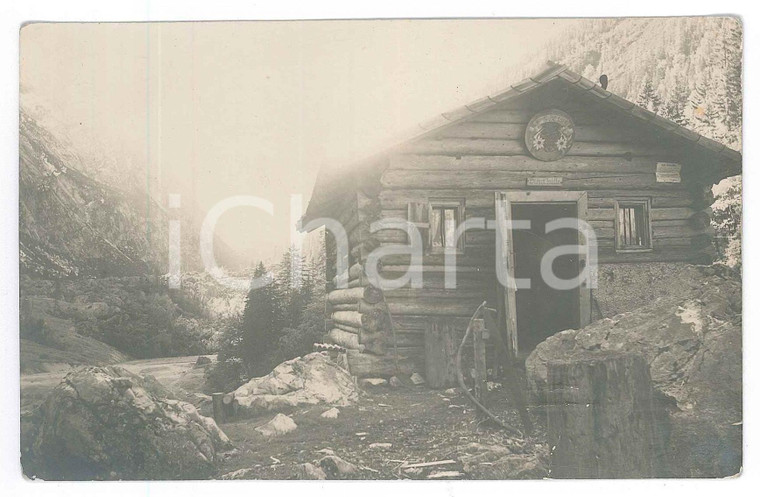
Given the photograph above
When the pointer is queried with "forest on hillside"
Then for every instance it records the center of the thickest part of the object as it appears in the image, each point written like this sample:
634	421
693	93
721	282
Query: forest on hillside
687	69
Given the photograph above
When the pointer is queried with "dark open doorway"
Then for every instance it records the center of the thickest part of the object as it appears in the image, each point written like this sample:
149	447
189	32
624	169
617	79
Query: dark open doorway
542	310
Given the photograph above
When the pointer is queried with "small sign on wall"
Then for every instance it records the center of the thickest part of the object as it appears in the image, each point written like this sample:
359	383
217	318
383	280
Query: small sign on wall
668	172
545	181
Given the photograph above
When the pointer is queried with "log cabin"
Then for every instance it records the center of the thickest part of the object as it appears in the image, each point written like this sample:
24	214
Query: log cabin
553	146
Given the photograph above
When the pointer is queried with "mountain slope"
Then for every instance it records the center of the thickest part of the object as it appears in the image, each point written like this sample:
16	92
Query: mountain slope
692	67
72	225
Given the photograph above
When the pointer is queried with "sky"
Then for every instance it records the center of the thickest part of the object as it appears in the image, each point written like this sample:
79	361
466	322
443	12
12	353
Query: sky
216	109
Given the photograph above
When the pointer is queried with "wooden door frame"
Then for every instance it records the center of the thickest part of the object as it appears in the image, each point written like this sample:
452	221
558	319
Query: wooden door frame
504	201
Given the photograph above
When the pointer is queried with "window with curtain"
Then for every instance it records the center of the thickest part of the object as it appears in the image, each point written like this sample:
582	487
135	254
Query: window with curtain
438	220
443	225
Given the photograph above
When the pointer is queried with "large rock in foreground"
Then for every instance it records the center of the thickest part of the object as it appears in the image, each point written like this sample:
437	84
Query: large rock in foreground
108	423
693	348
308	380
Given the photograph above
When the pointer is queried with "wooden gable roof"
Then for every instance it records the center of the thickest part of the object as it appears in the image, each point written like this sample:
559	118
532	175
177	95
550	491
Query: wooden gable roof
332	183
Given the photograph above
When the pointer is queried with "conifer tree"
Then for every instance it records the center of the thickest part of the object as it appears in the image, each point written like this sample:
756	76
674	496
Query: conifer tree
648	98
261	319
675	108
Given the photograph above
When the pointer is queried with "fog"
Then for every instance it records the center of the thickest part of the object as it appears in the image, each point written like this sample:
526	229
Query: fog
211	110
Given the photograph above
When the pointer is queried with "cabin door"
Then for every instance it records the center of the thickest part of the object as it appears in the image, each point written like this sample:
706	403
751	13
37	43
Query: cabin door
534	313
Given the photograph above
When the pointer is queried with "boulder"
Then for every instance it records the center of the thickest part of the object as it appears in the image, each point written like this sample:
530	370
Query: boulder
373	382
309	471
395	382
417	379
500	462
331	413
692	345
336	467
108	423
309	380
279	425
240	474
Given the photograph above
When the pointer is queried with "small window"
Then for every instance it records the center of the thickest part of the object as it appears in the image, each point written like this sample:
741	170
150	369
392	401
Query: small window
437	221
443	225
445	216
632	226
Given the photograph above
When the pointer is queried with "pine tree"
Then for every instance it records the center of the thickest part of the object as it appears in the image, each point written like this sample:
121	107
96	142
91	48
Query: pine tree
648	98
703	117
733	80
261	320
675	107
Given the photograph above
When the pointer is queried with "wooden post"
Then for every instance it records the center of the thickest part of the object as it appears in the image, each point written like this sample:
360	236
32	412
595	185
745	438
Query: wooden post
603	421
218	404
479	354
441	342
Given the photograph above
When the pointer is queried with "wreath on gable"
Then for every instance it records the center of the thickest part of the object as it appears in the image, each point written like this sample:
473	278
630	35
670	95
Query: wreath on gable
549	135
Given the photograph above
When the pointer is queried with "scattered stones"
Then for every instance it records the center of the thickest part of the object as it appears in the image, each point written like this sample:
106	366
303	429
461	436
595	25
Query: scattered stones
499	462
279	425
309	380
240	474
417	379
230	454
373	382
331	413
450	391
309	471
335	467
326	451
380	445
395	382
445	475
109	423
361	434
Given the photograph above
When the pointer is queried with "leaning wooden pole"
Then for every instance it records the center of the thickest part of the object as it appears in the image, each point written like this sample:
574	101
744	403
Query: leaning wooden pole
463	386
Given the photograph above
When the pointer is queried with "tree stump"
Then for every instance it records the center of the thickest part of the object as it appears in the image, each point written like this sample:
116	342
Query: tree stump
603	420
217	401
441	344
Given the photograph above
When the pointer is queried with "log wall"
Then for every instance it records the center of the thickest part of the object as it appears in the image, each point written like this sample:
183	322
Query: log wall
611	159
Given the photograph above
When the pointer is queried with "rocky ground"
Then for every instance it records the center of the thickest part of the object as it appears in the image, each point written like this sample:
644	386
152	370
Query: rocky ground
307	419
391	433
692	343
381	432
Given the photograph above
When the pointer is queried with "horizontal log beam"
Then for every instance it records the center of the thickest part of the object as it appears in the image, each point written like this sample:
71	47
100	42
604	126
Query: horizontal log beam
350	318
462	146
354	295
507	180
345	327
521	163
517	116
658	214
365	365
344	339
593	133
433	307
484	198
